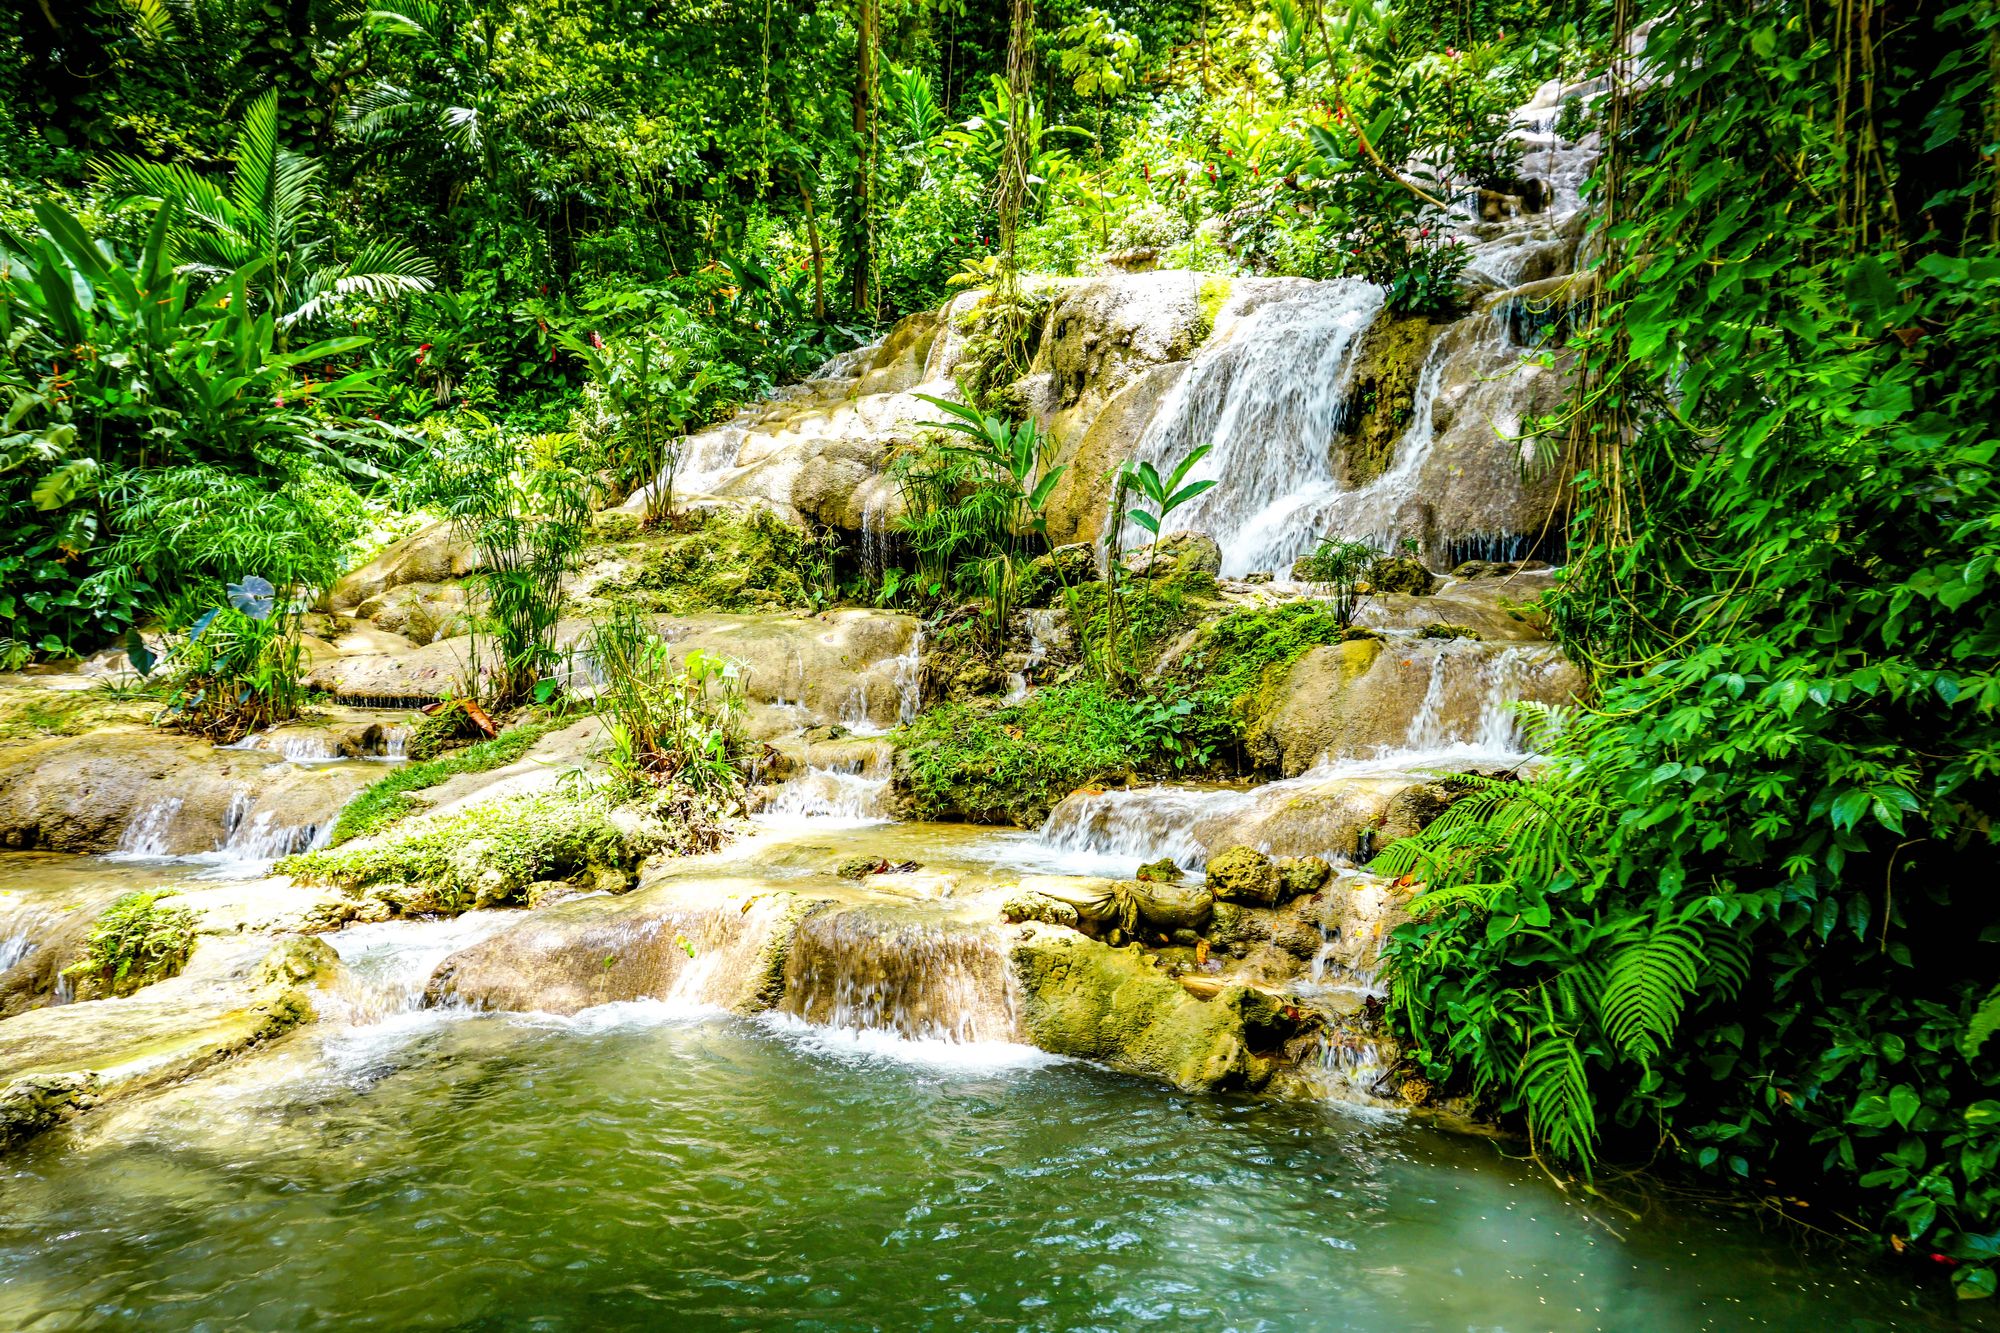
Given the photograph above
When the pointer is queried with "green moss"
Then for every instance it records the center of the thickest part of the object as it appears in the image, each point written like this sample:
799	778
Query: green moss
133	943
729	562
1012	764
1212	292
488	854
382	803
1383	395
1243	657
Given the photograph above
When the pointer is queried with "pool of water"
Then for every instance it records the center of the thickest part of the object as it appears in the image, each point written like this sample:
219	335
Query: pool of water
641	1168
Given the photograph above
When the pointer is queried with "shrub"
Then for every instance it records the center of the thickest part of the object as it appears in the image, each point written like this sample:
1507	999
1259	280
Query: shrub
487	854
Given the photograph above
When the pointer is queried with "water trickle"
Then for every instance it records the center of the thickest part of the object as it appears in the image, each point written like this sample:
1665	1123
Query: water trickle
387	965
855	790
1272	399
151	829
860	968
1469	698
1111	832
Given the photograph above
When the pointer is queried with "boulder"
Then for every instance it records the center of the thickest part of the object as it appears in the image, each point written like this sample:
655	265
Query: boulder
430	556
1243	875
162	793
1169	906
1162	871
1177	553
1401	573
1083	998
1300	875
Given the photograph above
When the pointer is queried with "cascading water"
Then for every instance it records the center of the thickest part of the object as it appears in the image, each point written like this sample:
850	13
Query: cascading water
1271	399
151	830
1469	705
859	969
906	680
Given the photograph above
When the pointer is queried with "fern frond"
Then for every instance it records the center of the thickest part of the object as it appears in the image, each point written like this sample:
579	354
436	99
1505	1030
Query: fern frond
1554	1087
1647	984
1985	1022
1478	896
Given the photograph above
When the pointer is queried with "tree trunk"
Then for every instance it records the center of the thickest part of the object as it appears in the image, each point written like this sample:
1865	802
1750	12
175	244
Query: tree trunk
864	109
1012	190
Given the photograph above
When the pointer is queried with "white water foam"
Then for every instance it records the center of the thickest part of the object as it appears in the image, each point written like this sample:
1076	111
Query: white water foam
882	1046
1271	399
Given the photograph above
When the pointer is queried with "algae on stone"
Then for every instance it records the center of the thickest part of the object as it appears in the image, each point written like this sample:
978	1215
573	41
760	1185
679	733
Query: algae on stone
1084	998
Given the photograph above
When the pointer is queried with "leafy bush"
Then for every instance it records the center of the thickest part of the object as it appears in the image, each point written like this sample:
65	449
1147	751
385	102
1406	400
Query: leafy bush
160	440
133	943
673	722
523	502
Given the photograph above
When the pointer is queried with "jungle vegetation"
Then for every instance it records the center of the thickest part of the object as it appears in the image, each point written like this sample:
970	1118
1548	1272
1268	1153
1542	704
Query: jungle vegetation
274	279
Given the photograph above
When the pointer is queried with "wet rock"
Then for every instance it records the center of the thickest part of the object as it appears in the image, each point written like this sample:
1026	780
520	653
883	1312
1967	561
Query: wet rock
431	556
1366	697
1086	999
1163	907
235	994
1299	875
1162	871
87	793
1243	875
1439	630
1031	906
1177	553
726	948
1401	574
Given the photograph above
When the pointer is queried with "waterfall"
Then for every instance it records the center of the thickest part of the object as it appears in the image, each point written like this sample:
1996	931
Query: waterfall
1378	512
1041	626
855	790
862	969
906	678
1272	399
1467	710
148	833
387	965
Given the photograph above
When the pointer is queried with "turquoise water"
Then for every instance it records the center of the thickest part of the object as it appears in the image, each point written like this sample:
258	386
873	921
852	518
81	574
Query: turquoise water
640	1169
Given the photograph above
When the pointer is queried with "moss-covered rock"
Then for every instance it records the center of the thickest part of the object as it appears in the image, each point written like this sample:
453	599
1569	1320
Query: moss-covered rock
1438	629
1086	999
1162	871
1029	905
1164	907
1243	875
1300	875
1383	393
1401	574
485	856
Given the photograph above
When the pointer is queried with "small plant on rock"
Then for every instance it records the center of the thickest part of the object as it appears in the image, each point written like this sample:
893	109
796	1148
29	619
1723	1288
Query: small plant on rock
1345	566
134	943
675	727
523	502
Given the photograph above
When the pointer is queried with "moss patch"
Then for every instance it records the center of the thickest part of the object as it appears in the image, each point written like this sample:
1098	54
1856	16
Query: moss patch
133	943
1010	765
1383	398
383	803
726	562
486	855
1238	665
